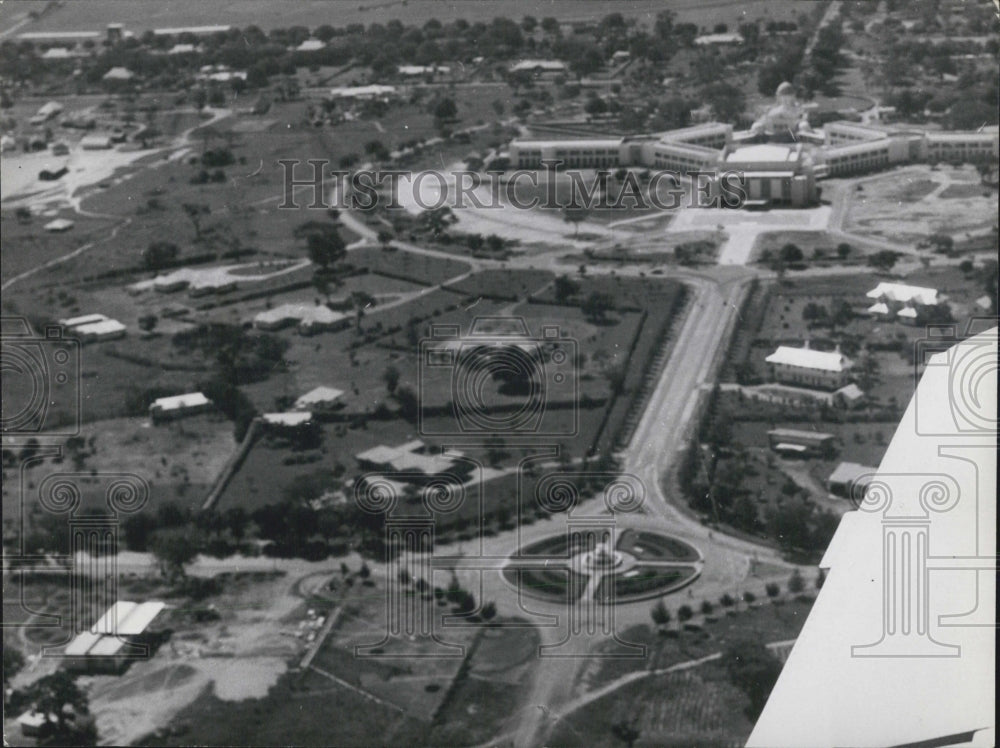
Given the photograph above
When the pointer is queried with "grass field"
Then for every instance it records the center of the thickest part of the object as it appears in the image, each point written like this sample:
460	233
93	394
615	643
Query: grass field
694	707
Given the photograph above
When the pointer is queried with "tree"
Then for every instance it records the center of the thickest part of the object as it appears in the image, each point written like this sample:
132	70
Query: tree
385	238
575	214
796	583
13	661
173	548
791	253
325	245
772	589
868	371
489	611
660	614
195	213
597	305
564	288
159	254
813	312
754	670
625	731
147	322
65	708
685	613
942	243
883	260
841	315
820	579
844	250
391	378
707	607
445	110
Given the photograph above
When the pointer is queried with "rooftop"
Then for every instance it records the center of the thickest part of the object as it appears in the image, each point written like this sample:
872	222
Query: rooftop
850	472
103	327
309	314
808	358
764	153
799	434
178	402
296	418
905	294
86	319
318	396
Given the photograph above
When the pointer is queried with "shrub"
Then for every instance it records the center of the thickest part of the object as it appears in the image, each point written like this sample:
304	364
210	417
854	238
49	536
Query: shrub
685	613
772	589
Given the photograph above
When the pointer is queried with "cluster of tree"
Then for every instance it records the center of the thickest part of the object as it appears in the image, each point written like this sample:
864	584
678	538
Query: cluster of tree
839	315
324	243
754	670
382	47
240	356
712	476
66	708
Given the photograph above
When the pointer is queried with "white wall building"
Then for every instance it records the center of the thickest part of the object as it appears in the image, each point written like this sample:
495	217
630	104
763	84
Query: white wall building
807	367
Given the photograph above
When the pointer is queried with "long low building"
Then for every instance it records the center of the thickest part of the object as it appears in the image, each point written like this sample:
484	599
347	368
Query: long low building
178	406
783	169
310	318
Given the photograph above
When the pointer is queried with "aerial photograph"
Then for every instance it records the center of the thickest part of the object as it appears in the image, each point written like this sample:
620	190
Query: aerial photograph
585	373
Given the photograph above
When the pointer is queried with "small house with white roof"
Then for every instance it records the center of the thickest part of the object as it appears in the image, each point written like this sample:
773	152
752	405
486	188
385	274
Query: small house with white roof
178	406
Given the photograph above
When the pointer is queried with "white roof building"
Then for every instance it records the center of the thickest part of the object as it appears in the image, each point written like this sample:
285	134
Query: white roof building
411	70
373	91
59	225
181	402
102	330
904	294
174	31
86	319
182	49
296	418
308	316
320	396
547	66
808	358
126	618
900	646
95	142
879	308
311	45
118	74
731	38
405	458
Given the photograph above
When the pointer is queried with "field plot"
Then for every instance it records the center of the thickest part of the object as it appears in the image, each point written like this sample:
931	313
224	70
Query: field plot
920	201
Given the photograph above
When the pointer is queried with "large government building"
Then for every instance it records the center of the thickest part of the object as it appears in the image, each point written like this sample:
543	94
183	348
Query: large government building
780	157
